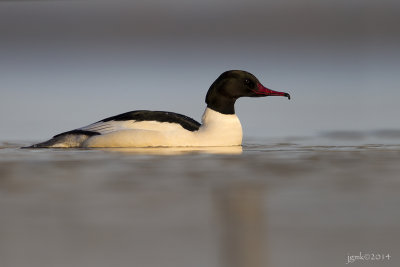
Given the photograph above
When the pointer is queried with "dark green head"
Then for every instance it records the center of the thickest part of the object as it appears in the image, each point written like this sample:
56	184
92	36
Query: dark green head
231	85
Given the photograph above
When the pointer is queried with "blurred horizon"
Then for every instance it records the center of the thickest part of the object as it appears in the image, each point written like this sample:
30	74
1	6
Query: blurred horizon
66	64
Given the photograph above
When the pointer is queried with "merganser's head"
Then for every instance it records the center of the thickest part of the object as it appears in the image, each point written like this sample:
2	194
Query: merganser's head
231	85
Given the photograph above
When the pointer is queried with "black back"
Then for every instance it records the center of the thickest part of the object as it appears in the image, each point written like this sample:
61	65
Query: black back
88	133
160	116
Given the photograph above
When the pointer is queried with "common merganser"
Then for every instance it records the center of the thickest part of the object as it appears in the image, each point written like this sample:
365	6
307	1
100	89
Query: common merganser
142	128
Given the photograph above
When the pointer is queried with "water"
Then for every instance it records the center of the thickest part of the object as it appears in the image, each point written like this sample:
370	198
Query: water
289	202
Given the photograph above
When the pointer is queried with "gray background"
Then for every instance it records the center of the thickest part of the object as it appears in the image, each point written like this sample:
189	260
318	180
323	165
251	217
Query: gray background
65	64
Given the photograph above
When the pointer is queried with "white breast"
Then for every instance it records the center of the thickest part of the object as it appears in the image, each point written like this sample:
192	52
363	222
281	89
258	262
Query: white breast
219	129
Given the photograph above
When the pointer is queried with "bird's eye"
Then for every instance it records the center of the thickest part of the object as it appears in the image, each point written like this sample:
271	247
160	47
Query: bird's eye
249	83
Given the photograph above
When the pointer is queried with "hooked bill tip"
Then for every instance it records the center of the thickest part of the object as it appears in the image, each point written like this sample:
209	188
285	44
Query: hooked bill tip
287	95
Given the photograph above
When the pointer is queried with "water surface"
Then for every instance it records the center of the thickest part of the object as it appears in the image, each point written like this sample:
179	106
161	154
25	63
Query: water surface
288	202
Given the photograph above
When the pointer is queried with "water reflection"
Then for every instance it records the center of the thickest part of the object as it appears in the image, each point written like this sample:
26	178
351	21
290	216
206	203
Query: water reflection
242	225
233	150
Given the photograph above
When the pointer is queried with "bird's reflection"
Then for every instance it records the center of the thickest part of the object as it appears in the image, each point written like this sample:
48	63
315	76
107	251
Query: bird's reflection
226	150
242	214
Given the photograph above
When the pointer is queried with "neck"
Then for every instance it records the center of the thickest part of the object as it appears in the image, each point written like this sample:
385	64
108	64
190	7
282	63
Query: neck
223	105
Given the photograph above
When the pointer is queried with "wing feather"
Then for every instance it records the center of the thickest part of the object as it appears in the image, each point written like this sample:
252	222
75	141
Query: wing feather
105	127
140	119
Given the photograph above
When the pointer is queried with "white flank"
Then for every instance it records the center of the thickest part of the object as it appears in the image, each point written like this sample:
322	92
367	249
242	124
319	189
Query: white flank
216	130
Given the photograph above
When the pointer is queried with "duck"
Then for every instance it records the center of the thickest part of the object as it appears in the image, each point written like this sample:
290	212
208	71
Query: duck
145	128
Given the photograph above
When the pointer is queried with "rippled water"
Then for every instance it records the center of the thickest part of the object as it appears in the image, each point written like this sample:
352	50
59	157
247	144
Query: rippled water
289	202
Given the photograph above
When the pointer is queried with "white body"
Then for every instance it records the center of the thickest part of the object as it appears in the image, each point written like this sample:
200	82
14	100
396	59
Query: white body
217	129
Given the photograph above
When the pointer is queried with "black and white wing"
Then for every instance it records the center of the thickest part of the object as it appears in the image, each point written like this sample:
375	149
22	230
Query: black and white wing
140	119
135	120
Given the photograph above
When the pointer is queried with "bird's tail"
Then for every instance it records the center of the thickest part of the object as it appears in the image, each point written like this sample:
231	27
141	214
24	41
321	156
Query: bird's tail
62	141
